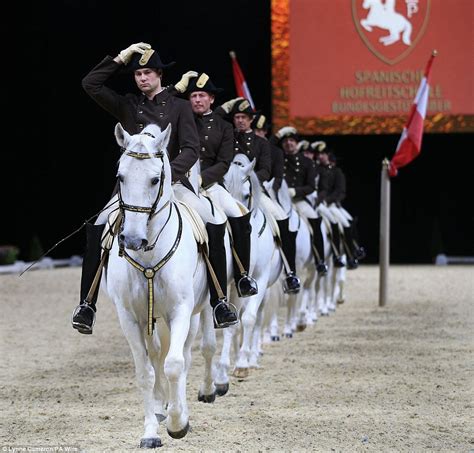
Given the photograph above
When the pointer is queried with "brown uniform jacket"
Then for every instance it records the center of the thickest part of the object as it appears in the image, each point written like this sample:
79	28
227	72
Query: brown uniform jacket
136	111
332	184
300	174
217	139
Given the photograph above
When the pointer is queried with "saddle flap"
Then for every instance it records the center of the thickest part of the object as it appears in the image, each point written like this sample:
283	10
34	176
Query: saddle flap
197	224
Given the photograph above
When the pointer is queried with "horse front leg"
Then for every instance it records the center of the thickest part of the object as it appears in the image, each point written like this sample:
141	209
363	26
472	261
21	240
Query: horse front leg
145	376
255	349
177	422
207	390
290	314
248	320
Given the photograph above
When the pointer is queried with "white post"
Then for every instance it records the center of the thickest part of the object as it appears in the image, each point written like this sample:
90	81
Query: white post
384	245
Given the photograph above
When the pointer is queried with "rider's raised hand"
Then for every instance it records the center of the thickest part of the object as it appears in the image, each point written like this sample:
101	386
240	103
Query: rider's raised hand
182	85
126	55
227	106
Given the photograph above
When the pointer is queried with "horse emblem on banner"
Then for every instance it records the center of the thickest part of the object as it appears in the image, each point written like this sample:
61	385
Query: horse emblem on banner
391	29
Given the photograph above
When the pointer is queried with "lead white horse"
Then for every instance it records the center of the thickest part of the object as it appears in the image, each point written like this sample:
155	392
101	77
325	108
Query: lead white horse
156	278
265	267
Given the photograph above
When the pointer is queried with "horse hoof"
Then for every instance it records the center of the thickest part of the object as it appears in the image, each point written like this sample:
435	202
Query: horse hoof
300	327
150	442
207	398
179	434
288	335
160	417
340	301
275	337
241	372
222	389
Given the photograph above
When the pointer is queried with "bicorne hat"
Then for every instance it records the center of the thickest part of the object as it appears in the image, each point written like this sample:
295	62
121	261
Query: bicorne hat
243	106
202	83
150	59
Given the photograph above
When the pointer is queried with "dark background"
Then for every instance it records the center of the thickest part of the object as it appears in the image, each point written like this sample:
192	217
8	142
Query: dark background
59	153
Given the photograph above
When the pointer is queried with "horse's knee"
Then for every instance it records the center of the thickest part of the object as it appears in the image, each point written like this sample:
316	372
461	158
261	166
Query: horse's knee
174	367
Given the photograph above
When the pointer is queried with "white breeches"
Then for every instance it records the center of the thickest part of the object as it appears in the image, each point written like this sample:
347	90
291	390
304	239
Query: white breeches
326	213
225	201
200	204
339	215
272	207
305	209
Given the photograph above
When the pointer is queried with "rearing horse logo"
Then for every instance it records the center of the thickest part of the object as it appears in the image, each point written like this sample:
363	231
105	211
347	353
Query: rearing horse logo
383	15
404	21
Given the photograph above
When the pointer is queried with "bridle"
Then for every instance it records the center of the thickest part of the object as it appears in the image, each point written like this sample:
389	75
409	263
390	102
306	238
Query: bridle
150	271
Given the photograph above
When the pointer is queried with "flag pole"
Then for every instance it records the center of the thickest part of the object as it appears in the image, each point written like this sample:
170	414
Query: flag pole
384	244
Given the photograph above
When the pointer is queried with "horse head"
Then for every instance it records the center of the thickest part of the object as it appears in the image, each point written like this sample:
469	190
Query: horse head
144	176
242	182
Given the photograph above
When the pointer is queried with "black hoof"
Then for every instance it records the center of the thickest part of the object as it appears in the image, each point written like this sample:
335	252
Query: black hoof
151	442
179	434
288	335
222	389
207	398
275	338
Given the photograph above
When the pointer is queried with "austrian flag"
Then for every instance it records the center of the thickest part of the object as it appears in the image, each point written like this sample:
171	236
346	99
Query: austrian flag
409	145
241	86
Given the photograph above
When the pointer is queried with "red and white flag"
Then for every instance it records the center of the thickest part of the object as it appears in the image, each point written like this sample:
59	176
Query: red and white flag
409	145
241	86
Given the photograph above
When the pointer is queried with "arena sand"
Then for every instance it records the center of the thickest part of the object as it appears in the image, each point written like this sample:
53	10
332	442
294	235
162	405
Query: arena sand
398	378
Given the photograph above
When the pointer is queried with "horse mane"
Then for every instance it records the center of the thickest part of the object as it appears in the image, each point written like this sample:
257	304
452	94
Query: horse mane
234	179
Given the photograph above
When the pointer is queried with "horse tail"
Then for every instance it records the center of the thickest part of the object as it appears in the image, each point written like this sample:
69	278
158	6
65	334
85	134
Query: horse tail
407	33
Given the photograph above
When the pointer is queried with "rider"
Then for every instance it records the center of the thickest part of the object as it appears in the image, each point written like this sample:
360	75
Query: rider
135	111
216	153
300	176
287	237
332	195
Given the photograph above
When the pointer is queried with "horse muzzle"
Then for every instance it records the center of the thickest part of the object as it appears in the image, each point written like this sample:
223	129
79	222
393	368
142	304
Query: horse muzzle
132	243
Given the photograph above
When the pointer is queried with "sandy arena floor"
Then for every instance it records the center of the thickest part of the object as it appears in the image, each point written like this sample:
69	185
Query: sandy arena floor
391	379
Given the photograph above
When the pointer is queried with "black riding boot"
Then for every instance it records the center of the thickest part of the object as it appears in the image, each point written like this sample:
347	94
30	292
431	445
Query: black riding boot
359	251
352	262
241	229
318	242
288	246
222	314
336	245
83	317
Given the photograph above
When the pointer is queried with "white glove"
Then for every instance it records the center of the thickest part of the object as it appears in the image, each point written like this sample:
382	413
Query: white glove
227	106
182	85
126	54
287	130
292	192
303	144
318	145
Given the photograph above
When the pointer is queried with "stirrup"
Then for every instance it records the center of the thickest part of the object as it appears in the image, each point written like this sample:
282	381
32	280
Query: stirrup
231	307
252	286
80	326
322	268
295	282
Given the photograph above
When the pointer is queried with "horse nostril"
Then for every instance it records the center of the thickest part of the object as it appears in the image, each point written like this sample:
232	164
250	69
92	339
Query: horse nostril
144	243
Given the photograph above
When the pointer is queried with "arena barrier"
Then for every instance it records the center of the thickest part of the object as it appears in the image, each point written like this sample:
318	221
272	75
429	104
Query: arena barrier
45	263
444	260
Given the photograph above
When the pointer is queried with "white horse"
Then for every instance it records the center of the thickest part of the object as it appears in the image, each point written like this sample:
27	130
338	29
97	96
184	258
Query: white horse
298	305
156	273
384	16
265	267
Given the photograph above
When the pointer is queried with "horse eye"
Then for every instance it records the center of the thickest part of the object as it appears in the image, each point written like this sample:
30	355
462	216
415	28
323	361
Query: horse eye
154	181
246	197
120	177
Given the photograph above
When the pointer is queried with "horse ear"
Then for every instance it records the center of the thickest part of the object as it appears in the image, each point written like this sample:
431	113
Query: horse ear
253	163
164	138
121	135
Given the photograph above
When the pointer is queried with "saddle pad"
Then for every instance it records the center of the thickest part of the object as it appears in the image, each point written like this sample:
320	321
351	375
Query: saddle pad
197	224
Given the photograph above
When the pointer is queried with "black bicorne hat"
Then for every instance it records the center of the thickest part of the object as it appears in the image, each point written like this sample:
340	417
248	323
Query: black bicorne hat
243	106
150	59
260	122
202	83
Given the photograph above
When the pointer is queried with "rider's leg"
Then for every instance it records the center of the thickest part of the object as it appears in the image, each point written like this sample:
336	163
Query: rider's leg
83	317
241	230
223	315
287	242
317	237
